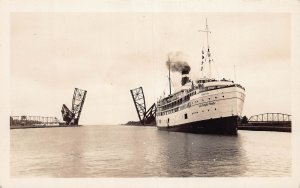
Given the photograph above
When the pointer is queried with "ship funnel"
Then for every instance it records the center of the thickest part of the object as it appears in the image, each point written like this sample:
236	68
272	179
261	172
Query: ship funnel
185	77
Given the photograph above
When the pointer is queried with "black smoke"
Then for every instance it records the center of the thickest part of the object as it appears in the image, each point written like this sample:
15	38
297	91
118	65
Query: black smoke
177	63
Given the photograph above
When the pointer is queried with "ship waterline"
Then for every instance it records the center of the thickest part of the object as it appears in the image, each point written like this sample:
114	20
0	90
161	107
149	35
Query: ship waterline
226	125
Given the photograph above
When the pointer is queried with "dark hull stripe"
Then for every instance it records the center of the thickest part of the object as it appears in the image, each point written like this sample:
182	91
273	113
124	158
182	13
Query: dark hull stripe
226	126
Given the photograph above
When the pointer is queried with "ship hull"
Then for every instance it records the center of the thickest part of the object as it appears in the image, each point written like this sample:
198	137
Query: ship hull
213	112
224	126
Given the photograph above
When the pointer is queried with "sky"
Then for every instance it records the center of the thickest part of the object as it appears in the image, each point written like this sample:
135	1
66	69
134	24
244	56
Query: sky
108	54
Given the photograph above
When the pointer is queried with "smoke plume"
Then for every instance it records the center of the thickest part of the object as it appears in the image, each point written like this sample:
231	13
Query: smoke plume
177	63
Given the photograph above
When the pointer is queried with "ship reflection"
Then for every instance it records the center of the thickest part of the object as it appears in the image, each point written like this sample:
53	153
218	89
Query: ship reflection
202	155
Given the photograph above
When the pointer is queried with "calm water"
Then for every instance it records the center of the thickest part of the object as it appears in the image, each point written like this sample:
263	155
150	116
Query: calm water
123	151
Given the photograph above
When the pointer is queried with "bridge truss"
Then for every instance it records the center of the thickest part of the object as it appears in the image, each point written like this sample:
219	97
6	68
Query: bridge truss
270	117
71	117
145	116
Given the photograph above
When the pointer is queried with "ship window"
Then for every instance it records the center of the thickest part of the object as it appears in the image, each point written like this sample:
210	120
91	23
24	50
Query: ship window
208	110
215	109
223	96
216	97
208	98
185	116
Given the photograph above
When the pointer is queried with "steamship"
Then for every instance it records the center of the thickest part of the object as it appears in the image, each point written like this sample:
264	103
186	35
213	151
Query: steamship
205	105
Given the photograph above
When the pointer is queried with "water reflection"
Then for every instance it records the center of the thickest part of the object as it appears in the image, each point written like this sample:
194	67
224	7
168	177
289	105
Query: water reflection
202	155
121	151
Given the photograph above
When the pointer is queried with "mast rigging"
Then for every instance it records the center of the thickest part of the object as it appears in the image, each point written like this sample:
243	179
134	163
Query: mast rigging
208	55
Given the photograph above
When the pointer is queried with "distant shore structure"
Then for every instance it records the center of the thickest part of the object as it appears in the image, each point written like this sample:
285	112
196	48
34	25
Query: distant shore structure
33	121
70	117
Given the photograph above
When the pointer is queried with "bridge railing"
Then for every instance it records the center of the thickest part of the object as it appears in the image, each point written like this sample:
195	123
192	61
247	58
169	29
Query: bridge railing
271	117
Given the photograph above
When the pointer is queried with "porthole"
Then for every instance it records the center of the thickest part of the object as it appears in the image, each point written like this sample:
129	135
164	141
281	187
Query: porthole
215	109
223	96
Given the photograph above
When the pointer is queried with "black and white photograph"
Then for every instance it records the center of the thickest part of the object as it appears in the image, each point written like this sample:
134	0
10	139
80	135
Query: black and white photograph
151	96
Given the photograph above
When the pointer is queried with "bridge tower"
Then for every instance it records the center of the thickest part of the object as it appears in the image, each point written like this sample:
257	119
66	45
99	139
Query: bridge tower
71	117
145	116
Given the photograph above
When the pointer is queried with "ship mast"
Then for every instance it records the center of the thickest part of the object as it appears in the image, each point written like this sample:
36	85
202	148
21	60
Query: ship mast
208	51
